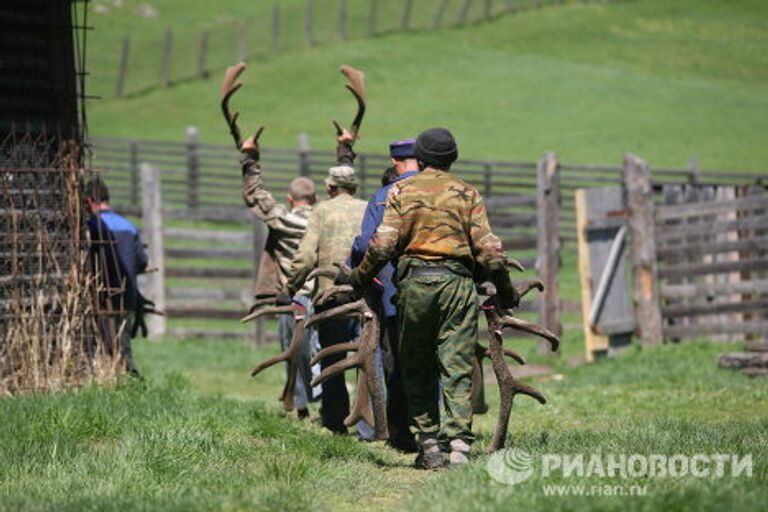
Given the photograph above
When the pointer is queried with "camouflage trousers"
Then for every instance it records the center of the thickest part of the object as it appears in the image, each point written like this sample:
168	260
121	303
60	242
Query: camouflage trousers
437	321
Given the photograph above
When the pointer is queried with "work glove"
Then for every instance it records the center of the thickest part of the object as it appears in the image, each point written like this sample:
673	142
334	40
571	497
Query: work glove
343	276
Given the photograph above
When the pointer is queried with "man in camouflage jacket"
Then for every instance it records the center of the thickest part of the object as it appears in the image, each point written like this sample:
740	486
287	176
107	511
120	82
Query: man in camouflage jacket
287	225
436	226
332	227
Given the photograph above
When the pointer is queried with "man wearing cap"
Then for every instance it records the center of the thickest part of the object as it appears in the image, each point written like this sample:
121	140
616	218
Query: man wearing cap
286	225
437	227
332	227
404	163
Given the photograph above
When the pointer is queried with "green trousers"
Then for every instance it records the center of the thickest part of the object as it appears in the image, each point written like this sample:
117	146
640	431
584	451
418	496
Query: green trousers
437	320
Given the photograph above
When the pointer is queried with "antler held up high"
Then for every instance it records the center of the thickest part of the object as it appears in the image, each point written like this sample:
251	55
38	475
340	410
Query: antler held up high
229	87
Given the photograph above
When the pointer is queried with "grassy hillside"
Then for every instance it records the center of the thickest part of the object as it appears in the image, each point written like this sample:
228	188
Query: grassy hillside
668	80
200	435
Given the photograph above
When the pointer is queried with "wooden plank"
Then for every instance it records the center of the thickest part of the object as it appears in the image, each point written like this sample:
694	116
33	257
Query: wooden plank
694	250
699	330
683	232
209	334
548	244
592	342
226	213
217	294
209	273
505	201
743	360
175	312
637	184
224	237
216	254
713	308
689	291
682	211
721	267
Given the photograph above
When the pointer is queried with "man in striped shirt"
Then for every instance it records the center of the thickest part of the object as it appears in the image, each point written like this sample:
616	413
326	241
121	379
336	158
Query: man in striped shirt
287	225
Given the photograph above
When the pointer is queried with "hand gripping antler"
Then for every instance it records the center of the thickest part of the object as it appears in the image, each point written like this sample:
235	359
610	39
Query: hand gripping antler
356	86
508	385
229	87
369	403
292	354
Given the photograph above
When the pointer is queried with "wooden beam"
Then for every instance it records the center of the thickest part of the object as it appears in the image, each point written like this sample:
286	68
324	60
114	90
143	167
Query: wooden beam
592	342
152	226
639	194
548	243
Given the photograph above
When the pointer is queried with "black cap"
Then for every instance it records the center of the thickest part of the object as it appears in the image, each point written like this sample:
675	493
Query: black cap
436	147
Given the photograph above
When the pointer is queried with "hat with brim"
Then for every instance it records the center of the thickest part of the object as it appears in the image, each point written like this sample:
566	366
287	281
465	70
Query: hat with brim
341	176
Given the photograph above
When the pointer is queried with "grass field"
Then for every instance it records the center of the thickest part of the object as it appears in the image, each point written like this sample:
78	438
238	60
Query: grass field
667	80
198	434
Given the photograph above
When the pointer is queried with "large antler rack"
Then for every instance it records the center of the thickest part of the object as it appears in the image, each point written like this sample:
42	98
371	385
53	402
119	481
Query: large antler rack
509	387
369	402
291	355
229	87
356	86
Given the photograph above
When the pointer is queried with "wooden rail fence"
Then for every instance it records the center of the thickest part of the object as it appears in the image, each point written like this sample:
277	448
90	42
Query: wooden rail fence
530	205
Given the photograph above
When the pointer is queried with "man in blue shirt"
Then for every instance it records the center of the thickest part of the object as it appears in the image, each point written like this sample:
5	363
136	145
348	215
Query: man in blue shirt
118	257
404	163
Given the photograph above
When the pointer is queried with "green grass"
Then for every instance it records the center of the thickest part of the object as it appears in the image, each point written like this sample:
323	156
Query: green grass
198	434
667	80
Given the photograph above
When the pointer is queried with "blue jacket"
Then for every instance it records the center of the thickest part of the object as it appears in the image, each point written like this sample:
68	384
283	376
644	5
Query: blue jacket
374	213
118	243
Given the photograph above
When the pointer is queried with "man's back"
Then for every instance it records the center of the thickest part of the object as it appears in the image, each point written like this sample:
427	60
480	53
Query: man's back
441	217
332	227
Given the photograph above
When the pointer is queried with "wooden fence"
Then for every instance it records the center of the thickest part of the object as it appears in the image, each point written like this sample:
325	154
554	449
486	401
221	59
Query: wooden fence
144	64
530	204
698	256
712	249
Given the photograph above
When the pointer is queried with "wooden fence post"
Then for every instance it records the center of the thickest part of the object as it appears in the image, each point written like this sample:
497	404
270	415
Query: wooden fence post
123	66
202	56
304	168
372	9
165	76
405	25
133	149
152	222
440	13
488	179
548	242
308	22
488	10
343	19
276	26
642	228
464	12
193	169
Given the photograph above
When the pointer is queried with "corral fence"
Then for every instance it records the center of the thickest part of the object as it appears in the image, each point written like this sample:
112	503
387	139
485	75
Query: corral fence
530	204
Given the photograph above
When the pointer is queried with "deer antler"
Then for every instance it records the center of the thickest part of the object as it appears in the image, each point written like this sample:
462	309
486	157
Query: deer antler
292	353
369	403
229	87
356	86
508	385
